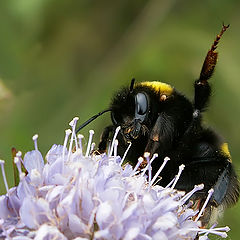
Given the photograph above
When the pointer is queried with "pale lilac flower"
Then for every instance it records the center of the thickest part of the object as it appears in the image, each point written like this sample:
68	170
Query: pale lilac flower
85	196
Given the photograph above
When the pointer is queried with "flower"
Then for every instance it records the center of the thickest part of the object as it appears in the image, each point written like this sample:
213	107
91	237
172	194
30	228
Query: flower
86	196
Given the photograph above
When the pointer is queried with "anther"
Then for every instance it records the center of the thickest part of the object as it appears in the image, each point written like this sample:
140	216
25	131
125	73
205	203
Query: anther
34	138
181	167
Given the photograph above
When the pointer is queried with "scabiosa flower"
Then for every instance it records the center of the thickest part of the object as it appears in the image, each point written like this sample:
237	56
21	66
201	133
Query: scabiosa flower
77	195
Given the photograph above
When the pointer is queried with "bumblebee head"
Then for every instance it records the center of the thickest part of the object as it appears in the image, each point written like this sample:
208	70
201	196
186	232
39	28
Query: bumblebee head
130	110
149	108
136	109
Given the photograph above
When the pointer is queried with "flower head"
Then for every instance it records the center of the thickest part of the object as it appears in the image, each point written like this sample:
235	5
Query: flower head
86	196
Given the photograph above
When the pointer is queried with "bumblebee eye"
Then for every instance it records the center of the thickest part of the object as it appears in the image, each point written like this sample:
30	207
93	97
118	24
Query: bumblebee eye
141	104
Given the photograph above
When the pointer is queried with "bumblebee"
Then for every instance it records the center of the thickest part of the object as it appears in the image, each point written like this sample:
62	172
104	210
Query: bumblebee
156	118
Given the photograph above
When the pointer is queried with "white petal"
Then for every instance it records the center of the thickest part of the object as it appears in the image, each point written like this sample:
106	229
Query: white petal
132	233
103	214
54	153
46	232
76	225
33	160
4	211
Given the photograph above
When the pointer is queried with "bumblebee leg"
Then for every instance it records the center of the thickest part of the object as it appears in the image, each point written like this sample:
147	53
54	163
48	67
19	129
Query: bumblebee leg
202	87
162	134
102	146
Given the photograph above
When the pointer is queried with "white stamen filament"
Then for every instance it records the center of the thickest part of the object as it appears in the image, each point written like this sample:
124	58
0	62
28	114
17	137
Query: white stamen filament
92	147
34	138
210	192
213	226
114	138
189	194
170	183
80	137
91	132
140	160
181	167
166	159
73	124
115	148
2	162
147	156
18	164
67	133
155	155
217	231
125	154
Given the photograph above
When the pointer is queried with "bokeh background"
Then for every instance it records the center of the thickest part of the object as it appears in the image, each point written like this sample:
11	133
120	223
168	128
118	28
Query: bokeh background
60	59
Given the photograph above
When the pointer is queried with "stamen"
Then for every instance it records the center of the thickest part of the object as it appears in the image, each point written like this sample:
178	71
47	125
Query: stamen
210	192
155	155
67	133
18	164
213	226
73	124
91	132
115	148
2	162
147	156
19	154
189	194
114	138
125	154
80	137
168	186
34	138
92	147
222	232
140	160
181	167
166	159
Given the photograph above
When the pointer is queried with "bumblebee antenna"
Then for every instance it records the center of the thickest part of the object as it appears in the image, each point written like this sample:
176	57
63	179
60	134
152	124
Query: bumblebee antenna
132	85
91	119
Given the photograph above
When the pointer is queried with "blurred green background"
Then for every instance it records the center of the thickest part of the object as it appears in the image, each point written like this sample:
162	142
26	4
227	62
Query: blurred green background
60	59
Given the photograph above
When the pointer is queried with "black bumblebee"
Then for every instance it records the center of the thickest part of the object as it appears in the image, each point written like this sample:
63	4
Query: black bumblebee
156	118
